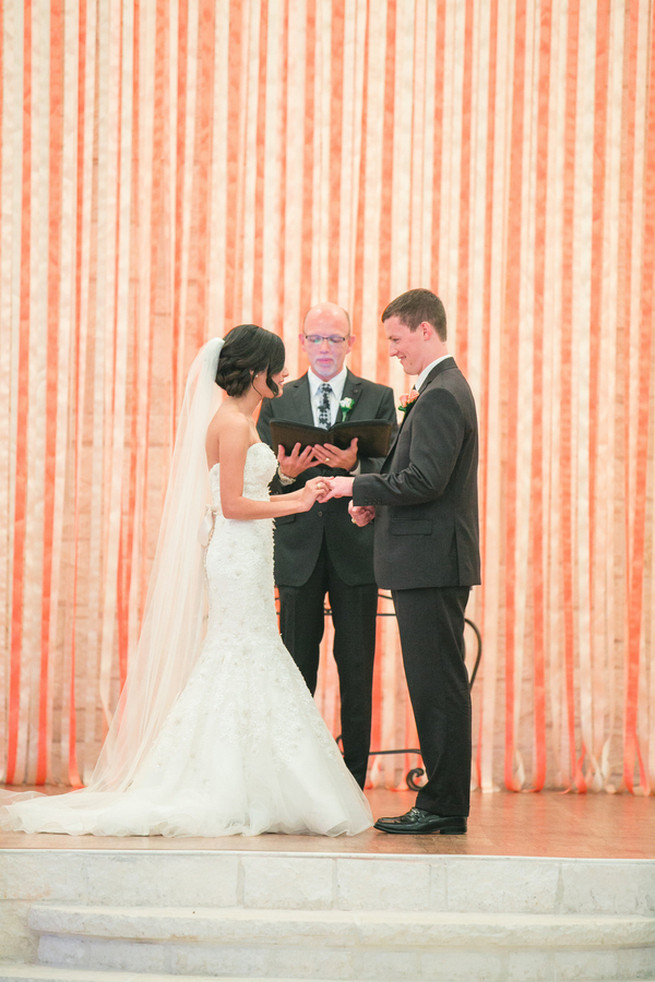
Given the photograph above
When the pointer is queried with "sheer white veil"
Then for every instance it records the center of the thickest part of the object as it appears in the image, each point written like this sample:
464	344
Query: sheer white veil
173	624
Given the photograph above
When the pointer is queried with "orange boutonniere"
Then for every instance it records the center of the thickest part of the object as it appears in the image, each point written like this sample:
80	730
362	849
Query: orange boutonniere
407	400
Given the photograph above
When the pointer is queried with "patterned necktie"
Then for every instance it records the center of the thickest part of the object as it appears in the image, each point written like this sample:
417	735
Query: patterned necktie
324	410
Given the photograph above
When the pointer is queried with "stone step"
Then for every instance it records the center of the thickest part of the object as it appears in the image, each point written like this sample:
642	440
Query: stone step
29	973
282	880
46	973
340	928
345	945
369	917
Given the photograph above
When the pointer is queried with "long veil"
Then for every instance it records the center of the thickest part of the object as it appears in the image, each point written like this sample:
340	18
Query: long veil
174	616
173	624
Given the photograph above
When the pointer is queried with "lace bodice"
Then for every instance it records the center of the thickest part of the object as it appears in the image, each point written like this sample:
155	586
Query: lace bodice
260	467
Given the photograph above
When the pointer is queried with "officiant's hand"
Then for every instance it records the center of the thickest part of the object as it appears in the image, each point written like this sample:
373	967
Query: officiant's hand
293	464
334	457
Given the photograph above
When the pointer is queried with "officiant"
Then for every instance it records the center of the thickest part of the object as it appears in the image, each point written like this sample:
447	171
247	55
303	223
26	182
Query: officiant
321	556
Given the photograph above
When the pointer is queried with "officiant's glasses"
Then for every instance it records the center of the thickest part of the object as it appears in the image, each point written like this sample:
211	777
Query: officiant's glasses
334	340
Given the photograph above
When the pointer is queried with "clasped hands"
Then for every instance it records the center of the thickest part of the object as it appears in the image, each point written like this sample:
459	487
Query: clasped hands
324	488
342	487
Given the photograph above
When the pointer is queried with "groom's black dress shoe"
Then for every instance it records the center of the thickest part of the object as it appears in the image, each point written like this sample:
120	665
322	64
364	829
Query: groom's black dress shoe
419	822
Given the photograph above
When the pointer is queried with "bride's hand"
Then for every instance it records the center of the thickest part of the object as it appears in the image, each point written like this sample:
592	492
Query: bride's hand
314	490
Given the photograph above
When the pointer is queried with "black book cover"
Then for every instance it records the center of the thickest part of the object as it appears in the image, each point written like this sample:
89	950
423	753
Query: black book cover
374	435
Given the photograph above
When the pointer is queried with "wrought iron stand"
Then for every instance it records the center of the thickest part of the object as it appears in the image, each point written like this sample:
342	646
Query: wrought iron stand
417	772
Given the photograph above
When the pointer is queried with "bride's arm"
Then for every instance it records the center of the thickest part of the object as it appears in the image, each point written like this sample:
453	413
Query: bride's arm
234	442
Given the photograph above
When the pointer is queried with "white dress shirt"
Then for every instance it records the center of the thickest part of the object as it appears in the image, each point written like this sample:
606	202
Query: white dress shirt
336	384
426	371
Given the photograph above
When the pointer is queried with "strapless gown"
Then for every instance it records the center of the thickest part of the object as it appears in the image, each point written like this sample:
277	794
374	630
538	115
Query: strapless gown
244	749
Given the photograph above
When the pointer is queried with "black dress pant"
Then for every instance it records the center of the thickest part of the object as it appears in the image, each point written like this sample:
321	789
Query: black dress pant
431	625
354	610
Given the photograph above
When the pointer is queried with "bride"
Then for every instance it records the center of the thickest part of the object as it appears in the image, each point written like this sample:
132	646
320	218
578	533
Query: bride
216	732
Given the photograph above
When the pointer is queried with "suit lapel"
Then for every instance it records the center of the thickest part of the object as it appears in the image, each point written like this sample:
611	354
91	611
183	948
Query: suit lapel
447	363
351	390
443	366
406	413
301	399
395	441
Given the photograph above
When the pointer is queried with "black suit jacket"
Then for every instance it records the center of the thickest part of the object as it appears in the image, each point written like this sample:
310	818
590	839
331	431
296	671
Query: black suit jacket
299	538
426	499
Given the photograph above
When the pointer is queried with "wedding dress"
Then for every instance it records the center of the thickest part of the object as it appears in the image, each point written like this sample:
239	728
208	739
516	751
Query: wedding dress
244	749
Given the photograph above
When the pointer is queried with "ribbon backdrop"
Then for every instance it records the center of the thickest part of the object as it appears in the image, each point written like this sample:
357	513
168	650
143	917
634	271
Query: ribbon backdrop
171	168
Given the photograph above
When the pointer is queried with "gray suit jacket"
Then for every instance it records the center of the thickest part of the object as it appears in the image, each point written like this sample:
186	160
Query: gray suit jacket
299	538
426	496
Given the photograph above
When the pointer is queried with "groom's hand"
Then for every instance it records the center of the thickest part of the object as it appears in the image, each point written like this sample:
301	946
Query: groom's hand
361	514
339	487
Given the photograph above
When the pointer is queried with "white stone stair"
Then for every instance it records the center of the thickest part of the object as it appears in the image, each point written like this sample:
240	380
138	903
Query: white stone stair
137	916
34	973
22	973
342	944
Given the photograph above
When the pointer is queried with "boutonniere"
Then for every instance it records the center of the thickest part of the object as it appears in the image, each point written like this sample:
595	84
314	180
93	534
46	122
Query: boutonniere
407	400
346	407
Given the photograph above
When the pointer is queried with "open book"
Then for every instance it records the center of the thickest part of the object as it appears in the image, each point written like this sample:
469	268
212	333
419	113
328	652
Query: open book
374	435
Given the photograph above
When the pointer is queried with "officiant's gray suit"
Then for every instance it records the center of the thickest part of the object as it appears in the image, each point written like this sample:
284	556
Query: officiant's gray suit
322	552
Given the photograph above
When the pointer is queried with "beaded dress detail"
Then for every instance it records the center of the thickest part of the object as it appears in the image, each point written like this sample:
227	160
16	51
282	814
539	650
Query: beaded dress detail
244	749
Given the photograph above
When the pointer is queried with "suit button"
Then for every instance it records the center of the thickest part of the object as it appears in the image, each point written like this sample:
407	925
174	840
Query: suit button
320	514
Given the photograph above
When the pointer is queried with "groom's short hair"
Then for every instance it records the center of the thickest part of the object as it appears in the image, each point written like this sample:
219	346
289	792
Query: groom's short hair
414	307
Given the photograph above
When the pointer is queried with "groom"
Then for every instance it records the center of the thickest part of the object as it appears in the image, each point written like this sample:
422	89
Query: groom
424	502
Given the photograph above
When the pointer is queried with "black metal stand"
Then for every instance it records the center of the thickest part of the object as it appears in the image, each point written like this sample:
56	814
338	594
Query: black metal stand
418	772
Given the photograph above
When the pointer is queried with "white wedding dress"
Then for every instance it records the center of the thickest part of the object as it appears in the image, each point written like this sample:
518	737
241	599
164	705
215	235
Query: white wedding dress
244	749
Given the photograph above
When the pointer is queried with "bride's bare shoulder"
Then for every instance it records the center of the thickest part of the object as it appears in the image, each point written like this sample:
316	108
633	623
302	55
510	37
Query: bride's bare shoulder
228	430
228	418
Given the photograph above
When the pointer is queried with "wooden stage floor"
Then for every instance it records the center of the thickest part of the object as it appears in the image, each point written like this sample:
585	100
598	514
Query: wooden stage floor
592	826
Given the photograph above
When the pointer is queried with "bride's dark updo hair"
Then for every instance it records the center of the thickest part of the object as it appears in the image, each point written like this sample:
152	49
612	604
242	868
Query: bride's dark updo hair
249	350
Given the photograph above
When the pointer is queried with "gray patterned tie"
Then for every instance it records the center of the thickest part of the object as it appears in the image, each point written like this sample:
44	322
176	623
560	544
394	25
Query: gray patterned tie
324	411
